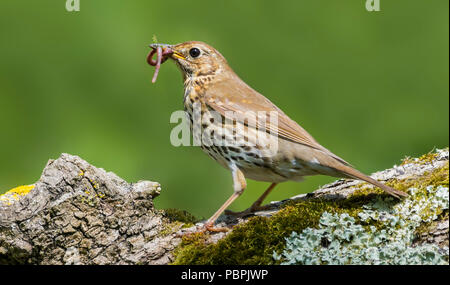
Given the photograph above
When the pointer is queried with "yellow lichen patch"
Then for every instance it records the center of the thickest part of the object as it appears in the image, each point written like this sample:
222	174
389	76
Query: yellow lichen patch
437	177
424	159
15	194
94	184
21	190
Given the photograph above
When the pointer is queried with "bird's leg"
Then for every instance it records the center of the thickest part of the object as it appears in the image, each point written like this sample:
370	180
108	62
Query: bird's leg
256	206
239	185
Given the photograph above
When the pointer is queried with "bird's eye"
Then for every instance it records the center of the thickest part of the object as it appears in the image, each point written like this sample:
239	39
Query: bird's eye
194	52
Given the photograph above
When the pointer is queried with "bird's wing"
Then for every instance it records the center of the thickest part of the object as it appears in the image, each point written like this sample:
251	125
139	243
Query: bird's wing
237	97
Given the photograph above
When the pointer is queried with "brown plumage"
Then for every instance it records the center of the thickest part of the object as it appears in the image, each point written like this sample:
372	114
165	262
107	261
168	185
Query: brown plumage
213	87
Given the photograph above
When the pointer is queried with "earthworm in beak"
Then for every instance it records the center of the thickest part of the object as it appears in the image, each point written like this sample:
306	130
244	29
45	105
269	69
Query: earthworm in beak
162	54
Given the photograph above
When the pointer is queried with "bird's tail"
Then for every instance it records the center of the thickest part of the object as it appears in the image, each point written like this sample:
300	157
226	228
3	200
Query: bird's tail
355	174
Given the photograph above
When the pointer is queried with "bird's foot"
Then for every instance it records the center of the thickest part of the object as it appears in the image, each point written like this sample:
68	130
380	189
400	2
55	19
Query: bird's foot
211	228
202	230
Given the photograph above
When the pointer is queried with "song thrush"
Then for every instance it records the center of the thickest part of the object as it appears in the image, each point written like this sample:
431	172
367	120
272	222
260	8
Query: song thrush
245	144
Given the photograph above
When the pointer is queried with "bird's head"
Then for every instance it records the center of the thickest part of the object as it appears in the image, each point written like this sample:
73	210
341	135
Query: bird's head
194	58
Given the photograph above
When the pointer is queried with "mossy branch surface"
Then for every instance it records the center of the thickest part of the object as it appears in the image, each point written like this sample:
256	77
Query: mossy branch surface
262	240
79	214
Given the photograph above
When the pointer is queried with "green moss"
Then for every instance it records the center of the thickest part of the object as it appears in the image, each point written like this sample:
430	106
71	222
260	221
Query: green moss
177	219
180	216
255	241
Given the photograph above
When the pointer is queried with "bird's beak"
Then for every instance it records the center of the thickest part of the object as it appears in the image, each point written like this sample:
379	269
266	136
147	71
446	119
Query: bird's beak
177	54
168	50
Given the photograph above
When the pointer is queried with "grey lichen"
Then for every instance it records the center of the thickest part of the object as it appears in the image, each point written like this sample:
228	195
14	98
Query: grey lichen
256	240
341	239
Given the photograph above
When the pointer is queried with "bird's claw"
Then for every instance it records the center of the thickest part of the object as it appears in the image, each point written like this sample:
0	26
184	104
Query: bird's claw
210	228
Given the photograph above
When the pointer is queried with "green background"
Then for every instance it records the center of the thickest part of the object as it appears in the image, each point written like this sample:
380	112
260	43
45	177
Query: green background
371	87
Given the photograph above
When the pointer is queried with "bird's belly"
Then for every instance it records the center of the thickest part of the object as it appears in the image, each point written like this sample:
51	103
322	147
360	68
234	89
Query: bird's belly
275	171
249	150
256	162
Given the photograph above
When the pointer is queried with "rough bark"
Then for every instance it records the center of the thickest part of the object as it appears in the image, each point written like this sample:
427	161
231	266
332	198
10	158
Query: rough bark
80	214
